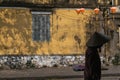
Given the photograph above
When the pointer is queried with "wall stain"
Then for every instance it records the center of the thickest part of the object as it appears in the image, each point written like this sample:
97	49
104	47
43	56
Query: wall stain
68	32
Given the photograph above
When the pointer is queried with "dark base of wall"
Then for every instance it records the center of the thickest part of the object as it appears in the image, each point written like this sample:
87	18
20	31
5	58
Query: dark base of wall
25	62
21	62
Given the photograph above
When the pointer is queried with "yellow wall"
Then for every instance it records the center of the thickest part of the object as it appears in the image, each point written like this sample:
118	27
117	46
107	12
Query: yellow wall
68	33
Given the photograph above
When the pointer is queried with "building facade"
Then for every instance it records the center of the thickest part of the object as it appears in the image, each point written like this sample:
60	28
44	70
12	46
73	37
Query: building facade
45	27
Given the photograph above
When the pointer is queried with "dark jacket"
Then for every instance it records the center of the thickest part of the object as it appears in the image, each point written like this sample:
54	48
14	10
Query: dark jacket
92	65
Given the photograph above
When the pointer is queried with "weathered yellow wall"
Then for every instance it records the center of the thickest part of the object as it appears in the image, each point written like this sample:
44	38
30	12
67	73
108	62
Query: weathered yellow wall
15	30
68	33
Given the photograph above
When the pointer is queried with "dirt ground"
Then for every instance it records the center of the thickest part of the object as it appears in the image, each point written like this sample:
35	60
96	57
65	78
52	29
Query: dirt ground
61	73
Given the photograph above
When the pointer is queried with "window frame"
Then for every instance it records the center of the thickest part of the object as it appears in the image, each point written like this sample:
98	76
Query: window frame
40	39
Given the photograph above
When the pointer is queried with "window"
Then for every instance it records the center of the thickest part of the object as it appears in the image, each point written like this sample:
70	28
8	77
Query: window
41	26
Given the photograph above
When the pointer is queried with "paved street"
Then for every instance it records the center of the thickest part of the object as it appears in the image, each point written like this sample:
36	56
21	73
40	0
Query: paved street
62	73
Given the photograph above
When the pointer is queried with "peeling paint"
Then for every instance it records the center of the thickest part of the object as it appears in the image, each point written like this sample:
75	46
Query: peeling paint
68	30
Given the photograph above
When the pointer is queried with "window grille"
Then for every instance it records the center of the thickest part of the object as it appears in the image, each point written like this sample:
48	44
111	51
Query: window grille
41	26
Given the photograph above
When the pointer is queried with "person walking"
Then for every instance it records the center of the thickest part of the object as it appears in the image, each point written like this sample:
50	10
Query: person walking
92	69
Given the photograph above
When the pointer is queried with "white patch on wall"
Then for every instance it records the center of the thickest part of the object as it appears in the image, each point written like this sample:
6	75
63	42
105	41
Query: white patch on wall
118	9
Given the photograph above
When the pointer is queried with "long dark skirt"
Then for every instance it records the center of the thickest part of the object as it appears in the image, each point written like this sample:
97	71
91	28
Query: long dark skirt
92	65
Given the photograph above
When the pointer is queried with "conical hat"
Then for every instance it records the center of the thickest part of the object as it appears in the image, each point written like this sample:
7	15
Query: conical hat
97	40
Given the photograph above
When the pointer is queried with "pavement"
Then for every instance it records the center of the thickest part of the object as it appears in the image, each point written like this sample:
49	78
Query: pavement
56	73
